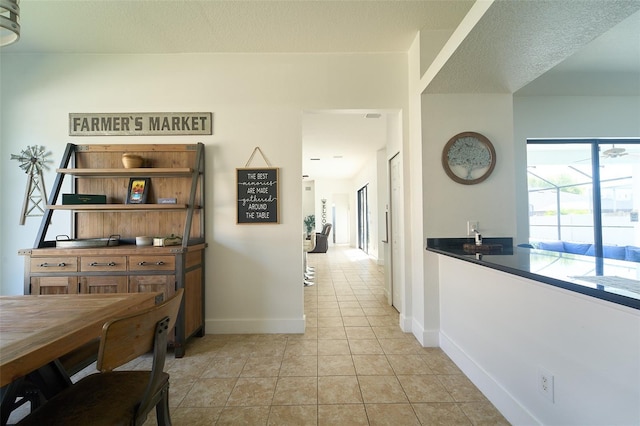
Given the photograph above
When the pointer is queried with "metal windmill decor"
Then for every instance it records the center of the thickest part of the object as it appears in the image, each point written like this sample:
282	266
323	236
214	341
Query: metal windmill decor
32	160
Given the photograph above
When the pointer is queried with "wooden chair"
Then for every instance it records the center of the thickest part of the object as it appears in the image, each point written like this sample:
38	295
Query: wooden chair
33	390
119	397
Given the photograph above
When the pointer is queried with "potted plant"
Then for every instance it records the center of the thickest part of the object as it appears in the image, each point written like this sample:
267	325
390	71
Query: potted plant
309	224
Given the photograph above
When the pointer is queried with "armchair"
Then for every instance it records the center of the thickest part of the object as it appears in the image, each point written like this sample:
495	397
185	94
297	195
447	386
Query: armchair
322	239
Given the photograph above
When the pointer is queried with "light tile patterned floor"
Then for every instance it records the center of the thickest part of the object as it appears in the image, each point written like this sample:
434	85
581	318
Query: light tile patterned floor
352	366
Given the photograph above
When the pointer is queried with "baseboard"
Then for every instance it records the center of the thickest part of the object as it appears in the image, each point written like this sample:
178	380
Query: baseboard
405	323
427	338
500	397
255	326
431	338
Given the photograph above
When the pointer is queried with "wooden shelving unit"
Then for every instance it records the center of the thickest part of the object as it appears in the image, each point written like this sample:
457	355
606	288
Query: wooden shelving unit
120	207
108	173
175	171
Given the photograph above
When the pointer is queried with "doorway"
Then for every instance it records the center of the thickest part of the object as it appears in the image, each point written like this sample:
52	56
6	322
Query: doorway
363	220
344	151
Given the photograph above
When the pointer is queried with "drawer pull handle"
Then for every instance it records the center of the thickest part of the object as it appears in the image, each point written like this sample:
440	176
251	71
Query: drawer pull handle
158	263
46	265
102	264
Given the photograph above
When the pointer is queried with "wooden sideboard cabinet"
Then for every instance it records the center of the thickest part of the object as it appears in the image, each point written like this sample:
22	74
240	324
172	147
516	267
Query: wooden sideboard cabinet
115	264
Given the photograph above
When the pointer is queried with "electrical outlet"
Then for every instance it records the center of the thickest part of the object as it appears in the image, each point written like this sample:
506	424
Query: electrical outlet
472	225
545	384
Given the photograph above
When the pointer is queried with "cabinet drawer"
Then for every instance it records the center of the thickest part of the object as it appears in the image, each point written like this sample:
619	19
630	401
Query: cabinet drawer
103	263
103	284
152	263
54	285
54	264
164	284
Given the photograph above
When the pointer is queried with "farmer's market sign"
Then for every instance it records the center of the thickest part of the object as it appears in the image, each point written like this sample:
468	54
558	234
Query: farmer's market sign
140	124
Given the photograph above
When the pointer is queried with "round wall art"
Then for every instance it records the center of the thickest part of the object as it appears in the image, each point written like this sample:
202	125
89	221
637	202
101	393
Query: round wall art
468	158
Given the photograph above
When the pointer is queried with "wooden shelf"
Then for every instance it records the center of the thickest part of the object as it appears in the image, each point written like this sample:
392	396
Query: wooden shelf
119	207
175	171
145	171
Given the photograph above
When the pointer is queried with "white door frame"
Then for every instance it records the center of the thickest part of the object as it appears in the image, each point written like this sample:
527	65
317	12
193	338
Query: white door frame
395	235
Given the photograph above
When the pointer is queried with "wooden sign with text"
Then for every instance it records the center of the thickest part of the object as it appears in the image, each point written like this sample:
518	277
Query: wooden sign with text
258	195
140	124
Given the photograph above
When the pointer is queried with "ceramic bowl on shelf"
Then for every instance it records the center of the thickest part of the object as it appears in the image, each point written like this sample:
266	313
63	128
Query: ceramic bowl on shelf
131	161
144	241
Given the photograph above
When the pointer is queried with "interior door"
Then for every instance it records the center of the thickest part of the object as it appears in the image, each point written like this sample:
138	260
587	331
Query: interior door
363	220
395	209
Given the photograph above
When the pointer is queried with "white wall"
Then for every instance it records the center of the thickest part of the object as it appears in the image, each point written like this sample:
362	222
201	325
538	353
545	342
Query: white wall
502	329
566	117
407	258
394	145
381	206
342	210
337	191
448	205
256	100
368	177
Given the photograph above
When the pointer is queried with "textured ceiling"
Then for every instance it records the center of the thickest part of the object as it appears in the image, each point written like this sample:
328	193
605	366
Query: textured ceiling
163	26
298	26
524	46
517	41
608	66
341	142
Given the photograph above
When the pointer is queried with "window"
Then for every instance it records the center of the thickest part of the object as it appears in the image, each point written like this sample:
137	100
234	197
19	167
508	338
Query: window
584	191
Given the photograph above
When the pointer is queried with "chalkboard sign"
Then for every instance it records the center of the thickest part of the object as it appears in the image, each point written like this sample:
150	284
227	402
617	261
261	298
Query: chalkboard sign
258	195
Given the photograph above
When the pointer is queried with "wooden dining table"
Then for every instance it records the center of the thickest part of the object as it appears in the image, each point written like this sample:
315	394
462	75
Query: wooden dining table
35	331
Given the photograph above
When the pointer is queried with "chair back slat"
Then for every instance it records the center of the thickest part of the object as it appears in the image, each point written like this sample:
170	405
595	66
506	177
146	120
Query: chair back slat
126	338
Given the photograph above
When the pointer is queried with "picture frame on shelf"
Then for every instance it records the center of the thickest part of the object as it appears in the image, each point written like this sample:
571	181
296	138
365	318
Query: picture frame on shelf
138	190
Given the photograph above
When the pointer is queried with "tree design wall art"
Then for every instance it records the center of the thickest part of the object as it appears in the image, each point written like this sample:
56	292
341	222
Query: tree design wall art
468	158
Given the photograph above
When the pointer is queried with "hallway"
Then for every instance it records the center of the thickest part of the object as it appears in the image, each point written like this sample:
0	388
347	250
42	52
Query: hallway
353	365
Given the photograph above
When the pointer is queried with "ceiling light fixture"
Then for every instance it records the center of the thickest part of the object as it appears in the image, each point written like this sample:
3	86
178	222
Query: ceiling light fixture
372	115
9	27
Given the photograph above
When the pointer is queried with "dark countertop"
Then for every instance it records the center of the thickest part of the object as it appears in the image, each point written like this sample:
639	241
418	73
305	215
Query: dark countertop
613	280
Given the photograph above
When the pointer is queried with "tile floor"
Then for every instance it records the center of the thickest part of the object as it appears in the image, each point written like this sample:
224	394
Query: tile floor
352	366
